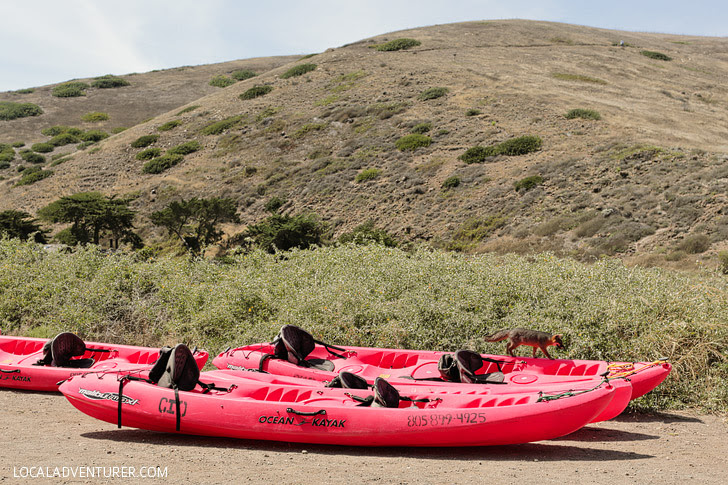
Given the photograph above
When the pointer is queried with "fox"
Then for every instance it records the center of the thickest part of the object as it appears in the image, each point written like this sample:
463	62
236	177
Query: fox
523	336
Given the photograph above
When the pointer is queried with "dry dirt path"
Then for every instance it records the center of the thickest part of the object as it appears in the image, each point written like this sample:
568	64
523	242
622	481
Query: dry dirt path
42	430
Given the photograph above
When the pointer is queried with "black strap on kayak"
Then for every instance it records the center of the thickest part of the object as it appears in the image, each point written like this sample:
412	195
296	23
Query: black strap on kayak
122	381
90	349
177	409
10	371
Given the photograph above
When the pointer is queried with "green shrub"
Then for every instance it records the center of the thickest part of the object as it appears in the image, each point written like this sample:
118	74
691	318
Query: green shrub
520	145
188	109
474	230
4	164
71	89
94	136
299	70
274	203
59	161
185	148
7	153
473	112
256	92
308	128
148	154
84	145
694	244
160	164
32	157
63	139
397	45
59	129
31	177
221	81
723	261
451	183
656	55
587	114
118	129
368	234
109	81
170	125
42	147
95	117
528	183
243	74
144	141
478	154
412	142
18	144
367	174
421	128
24	91
432	93
11	111
281	232
221	126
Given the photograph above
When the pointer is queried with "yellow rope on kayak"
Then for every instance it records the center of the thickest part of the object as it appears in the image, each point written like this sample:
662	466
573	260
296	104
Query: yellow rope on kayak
627	369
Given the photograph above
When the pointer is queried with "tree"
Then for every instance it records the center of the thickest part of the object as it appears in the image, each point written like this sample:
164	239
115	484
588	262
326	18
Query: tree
195	221
21	225
92	215
284	232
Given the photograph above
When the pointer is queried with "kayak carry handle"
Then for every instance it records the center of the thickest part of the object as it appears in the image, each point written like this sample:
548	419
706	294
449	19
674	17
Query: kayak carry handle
303	413
10	371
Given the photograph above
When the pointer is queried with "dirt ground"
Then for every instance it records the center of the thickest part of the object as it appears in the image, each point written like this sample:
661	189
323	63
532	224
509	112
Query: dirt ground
43	430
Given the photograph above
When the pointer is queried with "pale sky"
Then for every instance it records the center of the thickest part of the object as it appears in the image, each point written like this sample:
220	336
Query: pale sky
49	41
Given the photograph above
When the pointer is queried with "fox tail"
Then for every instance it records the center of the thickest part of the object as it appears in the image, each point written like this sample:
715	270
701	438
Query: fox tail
497	337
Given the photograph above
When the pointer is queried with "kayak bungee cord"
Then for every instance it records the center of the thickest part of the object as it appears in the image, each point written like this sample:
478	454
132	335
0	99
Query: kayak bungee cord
628	369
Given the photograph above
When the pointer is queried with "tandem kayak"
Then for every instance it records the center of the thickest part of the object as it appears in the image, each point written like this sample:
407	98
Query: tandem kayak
306	358
40	364
237	406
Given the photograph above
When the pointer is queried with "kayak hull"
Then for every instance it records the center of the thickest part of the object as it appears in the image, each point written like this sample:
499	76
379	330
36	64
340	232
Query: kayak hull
303	414
18	354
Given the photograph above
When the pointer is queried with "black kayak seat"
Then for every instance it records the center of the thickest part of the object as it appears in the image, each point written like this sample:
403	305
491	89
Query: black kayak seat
61	350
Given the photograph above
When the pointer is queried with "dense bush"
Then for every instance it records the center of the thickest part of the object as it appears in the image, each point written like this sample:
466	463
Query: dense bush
274	203
109	81
397	44
256	92
7	153
281	232
185	148
368	234
412	142
144	141
299	70
587	114
421	128
32	176
148	154
528	183
520	145
95	117
11	111
656	55
42	147
221	81
221	126
59	129
473	112
71	89
170	125
242	74
477	154
451	182
64	139
432	93
367	174
32	157
694	244
4	164
160	164
93	136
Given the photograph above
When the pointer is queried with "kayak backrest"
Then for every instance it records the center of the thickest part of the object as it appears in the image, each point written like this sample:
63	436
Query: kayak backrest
469	362
347	380
385	395
448	368
59	351
297	343
181	371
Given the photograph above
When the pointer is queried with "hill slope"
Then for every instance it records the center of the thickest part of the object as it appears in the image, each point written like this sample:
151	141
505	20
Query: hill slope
648	178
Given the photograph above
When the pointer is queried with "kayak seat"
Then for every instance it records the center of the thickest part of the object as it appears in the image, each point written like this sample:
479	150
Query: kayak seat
295	344
180	370
385	396
347	380
468	363
59	352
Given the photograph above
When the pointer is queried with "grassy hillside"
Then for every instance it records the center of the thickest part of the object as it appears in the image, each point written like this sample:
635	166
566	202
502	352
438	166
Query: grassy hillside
627	152
374	296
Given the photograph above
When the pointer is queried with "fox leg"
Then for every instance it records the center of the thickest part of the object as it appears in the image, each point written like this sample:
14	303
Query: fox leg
511	347
544	350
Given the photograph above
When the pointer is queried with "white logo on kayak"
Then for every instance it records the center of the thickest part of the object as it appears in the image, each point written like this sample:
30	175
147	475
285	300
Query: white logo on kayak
107	396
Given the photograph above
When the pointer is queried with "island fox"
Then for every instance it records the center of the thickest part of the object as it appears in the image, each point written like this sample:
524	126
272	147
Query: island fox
523	336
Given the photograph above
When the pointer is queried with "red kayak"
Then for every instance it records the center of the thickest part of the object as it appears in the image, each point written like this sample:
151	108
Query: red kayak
40	364
240	407
301	356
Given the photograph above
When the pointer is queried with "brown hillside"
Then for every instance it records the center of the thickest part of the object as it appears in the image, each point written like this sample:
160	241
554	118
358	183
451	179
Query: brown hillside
647	179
